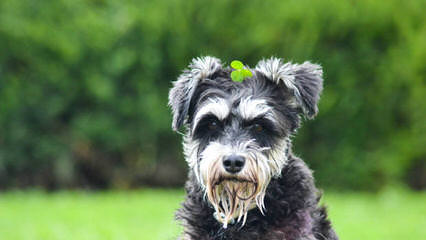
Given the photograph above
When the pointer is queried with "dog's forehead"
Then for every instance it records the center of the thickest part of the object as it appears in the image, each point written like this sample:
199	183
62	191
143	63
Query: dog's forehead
245	97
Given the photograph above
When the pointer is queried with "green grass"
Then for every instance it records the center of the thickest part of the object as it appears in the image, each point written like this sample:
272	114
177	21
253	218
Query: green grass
148	214
392	214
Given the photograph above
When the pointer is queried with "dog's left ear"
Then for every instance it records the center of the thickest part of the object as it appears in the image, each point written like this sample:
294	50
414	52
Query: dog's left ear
304	81
183	90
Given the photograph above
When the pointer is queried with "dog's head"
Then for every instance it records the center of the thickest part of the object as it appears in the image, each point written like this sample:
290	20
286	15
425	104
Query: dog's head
237	133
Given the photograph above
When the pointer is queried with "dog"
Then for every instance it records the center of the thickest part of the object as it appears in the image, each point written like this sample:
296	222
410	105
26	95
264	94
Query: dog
244	181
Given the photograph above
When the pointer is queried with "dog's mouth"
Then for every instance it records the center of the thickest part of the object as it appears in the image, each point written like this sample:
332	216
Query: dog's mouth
232	198
244	189
239	180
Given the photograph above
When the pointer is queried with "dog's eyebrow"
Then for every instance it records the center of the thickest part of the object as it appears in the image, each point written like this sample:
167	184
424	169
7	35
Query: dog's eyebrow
253	108
216	106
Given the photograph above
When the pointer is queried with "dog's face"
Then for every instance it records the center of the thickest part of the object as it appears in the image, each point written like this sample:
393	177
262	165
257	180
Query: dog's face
237	134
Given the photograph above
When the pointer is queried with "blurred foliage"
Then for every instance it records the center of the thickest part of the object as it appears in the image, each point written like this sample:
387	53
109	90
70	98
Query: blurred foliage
84	83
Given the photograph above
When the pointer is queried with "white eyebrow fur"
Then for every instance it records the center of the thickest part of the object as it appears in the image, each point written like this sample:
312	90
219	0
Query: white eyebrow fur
251	108
216	106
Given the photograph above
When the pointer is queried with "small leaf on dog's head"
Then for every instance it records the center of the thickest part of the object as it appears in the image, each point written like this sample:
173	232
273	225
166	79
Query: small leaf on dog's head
239	72
247	73
237	64
237	76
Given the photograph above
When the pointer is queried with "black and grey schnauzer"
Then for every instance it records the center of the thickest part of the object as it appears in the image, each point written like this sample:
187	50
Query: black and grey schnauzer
244	182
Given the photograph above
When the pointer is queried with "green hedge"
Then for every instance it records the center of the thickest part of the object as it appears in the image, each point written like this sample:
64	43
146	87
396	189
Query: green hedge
83	85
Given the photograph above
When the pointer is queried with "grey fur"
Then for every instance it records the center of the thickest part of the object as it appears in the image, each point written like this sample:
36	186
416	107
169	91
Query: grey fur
305	80
183	90
286	203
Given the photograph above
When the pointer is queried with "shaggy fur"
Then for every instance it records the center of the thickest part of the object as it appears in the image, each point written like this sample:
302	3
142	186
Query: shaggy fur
222	118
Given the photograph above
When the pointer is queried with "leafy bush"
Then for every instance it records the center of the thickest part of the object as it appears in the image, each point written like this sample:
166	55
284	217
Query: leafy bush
83	85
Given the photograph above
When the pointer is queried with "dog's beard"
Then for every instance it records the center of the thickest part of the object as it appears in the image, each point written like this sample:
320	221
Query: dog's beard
231	199
233	196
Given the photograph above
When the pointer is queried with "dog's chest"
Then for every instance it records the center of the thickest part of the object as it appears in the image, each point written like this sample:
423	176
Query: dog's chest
297	226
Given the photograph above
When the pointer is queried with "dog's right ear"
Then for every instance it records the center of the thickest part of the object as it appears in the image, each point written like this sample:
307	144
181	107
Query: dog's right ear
181	94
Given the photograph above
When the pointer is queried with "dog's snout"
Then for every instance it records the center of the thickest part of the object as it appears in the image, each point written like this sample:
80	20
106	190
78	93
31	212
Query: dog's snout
233	163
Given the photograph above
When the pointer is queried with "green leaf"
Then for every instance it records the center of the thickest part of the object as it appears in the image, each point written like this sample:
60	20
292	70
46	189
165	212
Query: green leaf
237	64
246	73
237	76
240	71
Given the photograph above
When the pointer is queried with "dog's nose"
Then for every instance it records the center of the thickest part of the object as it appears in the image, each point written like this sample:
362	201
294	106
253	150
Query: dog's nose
233	163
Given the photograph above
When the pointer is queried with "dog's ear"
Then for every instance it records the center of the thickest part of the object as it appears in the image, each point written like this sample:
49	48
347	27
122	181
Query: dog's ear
304	81
182	93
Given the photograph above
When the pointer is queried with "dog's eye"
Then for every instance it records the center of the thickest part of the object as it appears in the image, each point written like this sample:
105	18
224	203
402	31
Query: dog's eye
257	127
213	125
208	126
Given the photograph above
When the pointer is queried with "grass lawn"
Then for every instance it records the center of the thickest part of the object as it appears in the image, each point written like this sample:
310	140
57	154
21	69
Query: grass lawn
148	214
